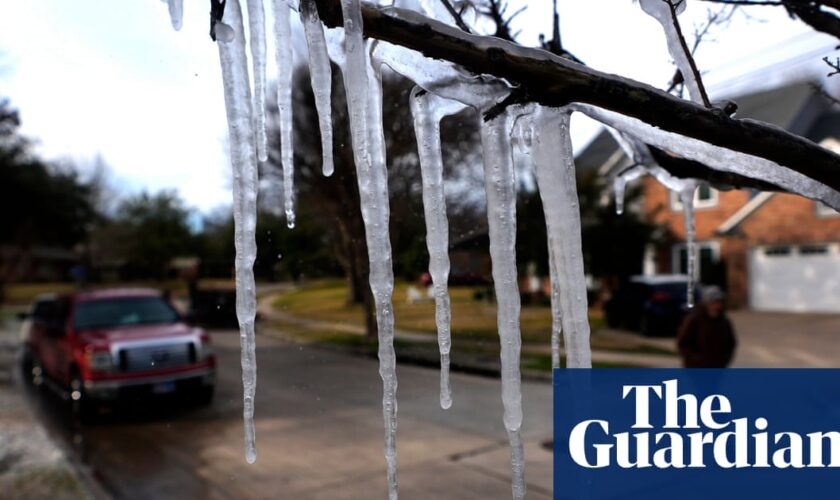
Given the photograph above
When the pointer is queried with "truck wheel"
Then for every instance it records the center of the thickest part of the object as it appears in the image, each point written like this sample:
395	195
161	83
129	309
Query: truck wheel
36	372
204	396
26	364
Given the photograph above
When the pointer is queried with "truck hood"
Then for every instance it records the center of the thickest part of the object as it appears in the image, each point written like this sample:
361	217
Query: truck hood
136	332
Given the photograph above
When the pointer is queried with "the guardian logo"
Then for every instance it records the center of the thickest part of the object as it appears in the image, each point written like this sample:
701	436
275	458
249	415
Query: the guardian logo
692	430
661	434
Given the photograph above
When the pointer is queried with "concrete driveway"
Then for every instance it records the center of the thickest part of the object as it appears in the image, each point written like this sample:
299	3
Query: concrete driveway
786	340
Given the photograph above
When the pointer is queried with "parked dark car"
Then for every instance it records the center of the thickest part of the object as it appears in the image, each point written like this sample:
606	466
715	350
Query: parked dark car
111	344
653	305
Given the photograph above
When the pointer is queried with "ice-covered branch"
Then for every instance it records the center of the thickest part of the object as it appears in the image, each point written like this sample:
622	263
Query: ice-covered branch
555	81
809	12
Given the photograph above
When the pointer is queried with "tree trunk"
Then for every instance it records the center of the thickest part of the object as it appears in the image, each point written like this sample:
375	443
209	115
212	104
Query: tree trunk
356	269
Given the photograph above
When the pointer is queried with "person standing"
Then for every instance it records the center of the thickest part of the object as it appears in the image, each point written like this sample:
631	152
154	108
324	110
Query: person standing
706	338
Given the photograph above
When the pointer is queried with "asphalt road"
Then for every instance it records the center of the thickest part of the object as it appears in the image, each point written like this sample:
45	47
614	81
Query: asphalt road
319	434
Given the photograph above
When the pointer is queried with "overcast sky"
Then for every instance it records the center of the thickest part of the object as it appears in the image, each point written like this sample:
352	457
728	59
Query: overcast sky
92	77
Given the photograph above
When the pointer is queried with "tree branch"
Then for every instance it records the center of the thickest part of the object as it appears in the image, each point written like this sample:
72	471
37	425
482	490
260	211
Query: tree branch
554	81
459	21
809	11
672	7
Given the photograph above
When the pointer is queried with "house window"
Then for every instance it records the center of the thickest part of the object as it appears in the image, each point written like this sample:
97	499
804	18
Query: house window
708	260
777	251
705	196
824	210
813	250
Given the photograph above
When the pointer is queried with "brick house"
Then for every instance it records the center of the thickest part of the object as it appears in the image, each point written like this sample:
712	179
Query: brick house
771	251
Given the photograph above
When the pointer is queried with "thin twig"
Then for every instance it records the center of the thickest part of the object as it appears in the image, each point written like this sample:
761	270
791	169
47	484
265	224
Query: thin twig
672	6
456	16
834	65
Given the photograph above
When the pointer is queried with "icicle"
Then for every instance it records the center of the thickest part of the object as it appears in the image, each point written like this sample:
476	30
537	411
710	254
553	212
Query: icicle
285	66
558	191
428	110
256	41
685	189
363	87
556	310
500	189
176	13
373	192
661	11
321	76
620	183
687	200
243	159
355	77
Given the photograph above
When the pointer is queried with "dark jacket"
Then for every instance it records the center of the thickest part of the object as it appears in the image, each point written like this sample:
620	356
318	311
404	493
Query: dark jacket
706	342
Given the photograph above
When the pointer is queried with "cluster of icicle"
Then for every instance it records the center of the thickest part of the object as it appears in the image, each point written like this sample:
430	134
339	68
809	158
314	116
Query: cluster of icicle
442	89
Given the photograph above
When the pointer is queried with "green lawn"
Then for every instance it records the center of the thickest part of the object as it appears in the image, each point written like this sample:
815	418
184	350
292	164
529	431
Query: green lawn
471	318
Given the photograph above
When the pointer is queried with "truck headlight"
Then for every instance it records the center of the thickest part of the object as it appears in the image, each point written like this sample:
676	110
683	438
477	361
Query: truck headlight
205	348
100	361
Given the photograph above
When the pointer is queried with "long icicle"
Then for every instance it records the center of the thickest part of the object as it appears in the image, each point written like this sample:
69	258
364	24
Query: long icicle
237	87
320	75
355	77
500	190
373	193
428	110
558	191
687	199
285	66
363	87
256	42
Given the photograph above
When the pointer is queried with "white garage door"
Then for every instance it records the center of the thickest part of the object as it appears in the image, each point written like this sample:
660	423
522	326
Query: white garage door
800	278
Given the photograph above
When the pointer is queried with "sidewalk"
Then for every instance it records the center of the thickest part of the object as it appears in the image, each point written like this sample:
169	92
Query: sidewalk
420	348
32	466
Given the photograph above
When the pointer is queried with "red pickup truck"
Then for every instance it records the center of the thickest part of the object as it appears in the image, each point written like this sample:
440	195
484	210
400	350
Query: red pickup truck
110	344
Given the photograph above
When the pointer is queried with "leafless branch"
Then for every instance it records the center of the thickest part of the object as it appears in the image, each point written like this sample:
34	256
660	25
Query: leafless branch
810	12
497	11
672	6
834	65
455	15
554	81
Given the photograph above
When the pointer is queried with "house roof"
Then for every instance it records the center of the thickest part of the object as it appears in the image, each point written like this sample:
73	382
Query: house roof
744	212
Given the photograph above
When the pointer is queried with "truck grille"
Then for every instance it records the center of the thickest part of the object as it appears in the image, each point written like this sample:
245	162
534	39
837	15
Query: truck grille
156	357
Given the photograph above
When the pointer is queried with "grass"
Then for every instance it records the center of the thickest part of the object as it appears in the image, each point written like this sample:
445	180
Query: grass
490	351
542	363
471	319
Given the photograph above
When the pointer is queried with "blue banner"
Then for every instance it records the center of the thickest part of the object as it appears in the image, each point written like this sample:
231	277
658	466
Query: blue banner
696	433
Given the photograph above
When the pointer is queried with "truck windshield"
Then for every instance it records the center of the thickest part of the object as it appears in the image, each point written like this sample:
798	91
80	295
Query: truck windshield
123	312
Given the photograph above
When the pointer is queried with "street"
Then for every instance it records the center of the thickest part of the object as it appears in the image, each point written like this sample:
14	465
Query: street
319	434
786	340
319	425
